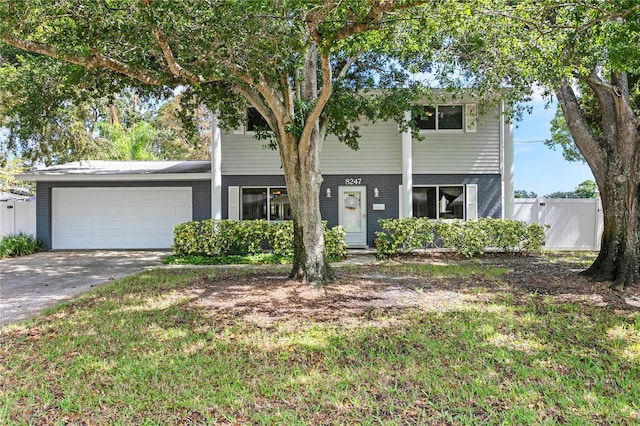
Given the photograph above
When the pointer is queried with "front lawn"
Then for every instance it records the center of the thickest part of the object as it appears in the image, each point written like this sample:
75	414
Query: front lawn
503	340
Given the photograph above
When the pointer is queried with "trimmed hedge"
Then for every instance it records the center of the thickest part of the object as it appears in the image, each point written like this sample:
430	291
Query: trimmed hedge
470	238
216	238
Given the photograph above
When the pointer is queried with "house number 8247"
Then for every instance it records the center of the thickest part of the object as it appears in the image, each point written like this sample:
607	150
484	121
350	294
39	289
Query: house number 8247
353	181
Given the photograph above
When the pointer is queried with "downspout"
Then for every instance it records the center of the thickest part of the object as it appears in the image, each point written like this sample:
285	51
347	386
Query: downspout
407	169
216	169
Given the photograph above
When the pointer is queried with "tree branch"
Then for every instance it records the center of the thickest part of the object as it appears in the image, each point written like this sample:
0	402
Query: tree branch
175	68
347	65
372	20
323	98
584	138
96	60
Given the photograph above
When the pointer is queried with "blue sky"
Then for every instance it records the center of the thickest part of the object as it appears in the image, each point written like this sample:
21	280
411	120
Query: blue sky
538	168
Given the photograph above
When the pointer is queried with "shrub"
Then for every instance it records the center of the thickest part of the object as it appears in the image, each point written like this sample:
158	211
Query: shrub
403	235
19	245
470	238
217	238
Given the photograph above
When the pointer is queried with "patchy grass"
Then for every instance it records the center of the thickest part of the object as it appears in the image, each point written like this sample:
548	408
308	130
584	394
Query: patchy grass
447	270
184	347
250	259
582	259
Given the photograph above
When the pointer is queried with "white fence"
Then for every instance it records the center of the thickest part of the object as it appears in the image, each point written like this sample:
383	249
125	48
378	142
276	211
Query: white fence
576	224
17	217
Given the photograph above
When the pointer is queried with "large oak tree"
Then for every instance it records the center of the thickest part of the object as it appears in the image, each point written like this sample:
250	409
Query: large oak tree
587	54
305	65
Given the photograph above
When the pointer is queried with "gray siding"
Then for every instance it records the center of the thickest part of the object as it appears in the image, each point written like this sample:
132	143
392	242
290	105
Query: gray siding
201	200
244	155
457	152
380	152
441	152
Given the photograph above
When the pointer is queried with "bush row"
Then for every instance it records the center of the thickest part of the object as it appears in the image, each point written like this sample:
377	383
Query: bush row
470	238
215	238
19	245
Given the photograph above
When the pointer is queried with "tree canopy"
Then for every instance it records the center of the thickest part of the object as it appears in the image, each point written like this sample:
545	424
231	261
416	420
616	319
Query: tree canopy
313	67
309	67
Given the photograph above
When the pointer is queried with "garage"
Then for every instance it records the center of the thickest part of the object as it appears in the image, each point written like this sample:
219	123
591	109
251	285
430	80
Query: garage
117	217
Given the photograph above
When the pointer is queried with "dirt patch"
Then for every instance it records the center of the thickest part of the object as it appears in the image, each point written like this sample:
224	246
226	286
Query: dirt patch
266	298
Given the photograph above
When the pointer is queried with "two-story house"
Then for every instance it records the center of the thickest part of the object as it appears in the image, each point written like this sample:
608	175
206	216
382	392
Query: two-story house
462	169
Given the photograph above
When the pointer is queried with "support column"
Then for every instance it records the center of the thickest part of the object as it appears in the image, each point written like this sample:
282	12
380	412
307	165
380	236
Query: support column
407	170
216	169
509	187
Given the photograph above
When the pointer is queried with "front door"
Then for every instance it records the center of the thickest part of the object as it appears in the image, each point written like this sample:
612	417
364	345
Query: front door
352	214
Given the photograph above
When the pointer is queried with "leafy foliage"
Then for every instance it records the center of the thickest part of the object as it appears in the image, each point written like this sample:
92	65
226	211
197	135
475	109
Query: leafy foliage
224	238
586	189
469	238
521	193
19	245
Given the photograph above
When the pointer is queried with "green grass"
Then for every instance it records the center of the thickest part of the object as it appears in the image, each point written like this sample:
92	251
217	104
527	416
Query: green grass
252	259
463	270
141	351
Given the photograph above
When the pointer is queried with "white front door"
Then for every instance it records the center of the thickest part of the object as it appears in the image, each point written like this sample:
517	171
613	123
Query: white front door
352	214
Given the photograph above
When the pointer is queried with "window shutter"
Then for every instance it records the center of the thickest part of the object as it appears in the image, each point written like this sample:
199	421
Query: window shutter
472	201
470	117
233	205
400	202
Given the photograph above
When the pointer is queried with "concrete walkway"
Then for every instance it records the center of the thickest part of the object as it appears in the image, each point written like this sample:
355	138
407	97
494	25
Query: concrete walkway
29	284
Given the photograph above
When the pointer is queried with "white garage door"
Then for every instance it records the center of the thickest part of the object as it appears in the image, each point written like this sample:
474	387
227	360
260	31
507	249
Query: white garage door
117	218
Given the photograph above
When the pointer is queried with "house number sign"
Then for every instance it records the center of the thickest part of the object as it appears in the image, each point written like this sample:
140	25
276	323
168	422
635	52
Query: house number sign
353	181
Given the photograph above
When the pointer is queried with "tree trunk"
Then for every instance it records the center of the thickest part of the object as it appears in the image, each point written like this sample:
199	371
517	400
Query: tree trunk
619	257
613	155
303	188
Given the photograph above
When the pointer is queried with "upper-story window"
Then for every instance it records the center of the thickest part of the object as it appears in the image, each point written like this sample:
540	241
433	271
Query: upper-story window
441	117
255	121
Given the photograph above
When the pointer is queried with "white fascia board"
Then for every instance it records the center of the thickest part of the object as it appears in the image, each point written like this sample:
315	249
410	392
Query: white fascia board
114	178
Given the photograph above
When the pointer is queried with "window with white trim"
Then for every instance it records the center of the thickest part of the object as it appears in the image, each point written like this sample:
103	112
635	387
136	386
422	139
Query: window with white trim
269	203
440	117
439	202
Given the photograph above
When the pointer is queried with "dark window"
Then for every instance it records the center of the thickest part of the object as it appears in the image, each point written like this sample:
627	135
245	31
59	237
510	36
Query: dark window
427	120
441	117
254	203
439	202
449	117
255	121
257	205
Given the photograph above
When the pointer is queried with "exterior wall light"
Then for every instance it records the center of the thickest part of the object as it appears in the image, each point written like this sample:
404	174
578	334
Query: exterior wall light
328	192
376	193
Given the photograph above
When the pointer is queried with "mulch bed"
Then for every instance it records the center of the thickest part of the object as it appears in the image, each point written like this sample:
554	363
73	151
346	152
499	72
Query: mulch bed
265	297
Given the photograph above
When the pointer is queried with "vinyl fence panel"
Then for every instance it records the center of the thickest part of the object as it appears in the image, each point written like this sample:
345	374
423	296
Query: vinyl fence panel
575	224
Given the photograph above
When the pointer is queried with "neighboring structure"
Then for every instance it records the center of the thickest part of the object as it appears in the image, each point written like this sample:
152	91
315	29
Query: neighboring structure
461	170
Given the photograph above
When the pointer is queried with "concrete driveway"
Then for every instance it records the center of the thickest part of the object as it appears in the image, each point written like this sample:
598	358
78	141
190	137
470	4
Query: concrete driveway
29	284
